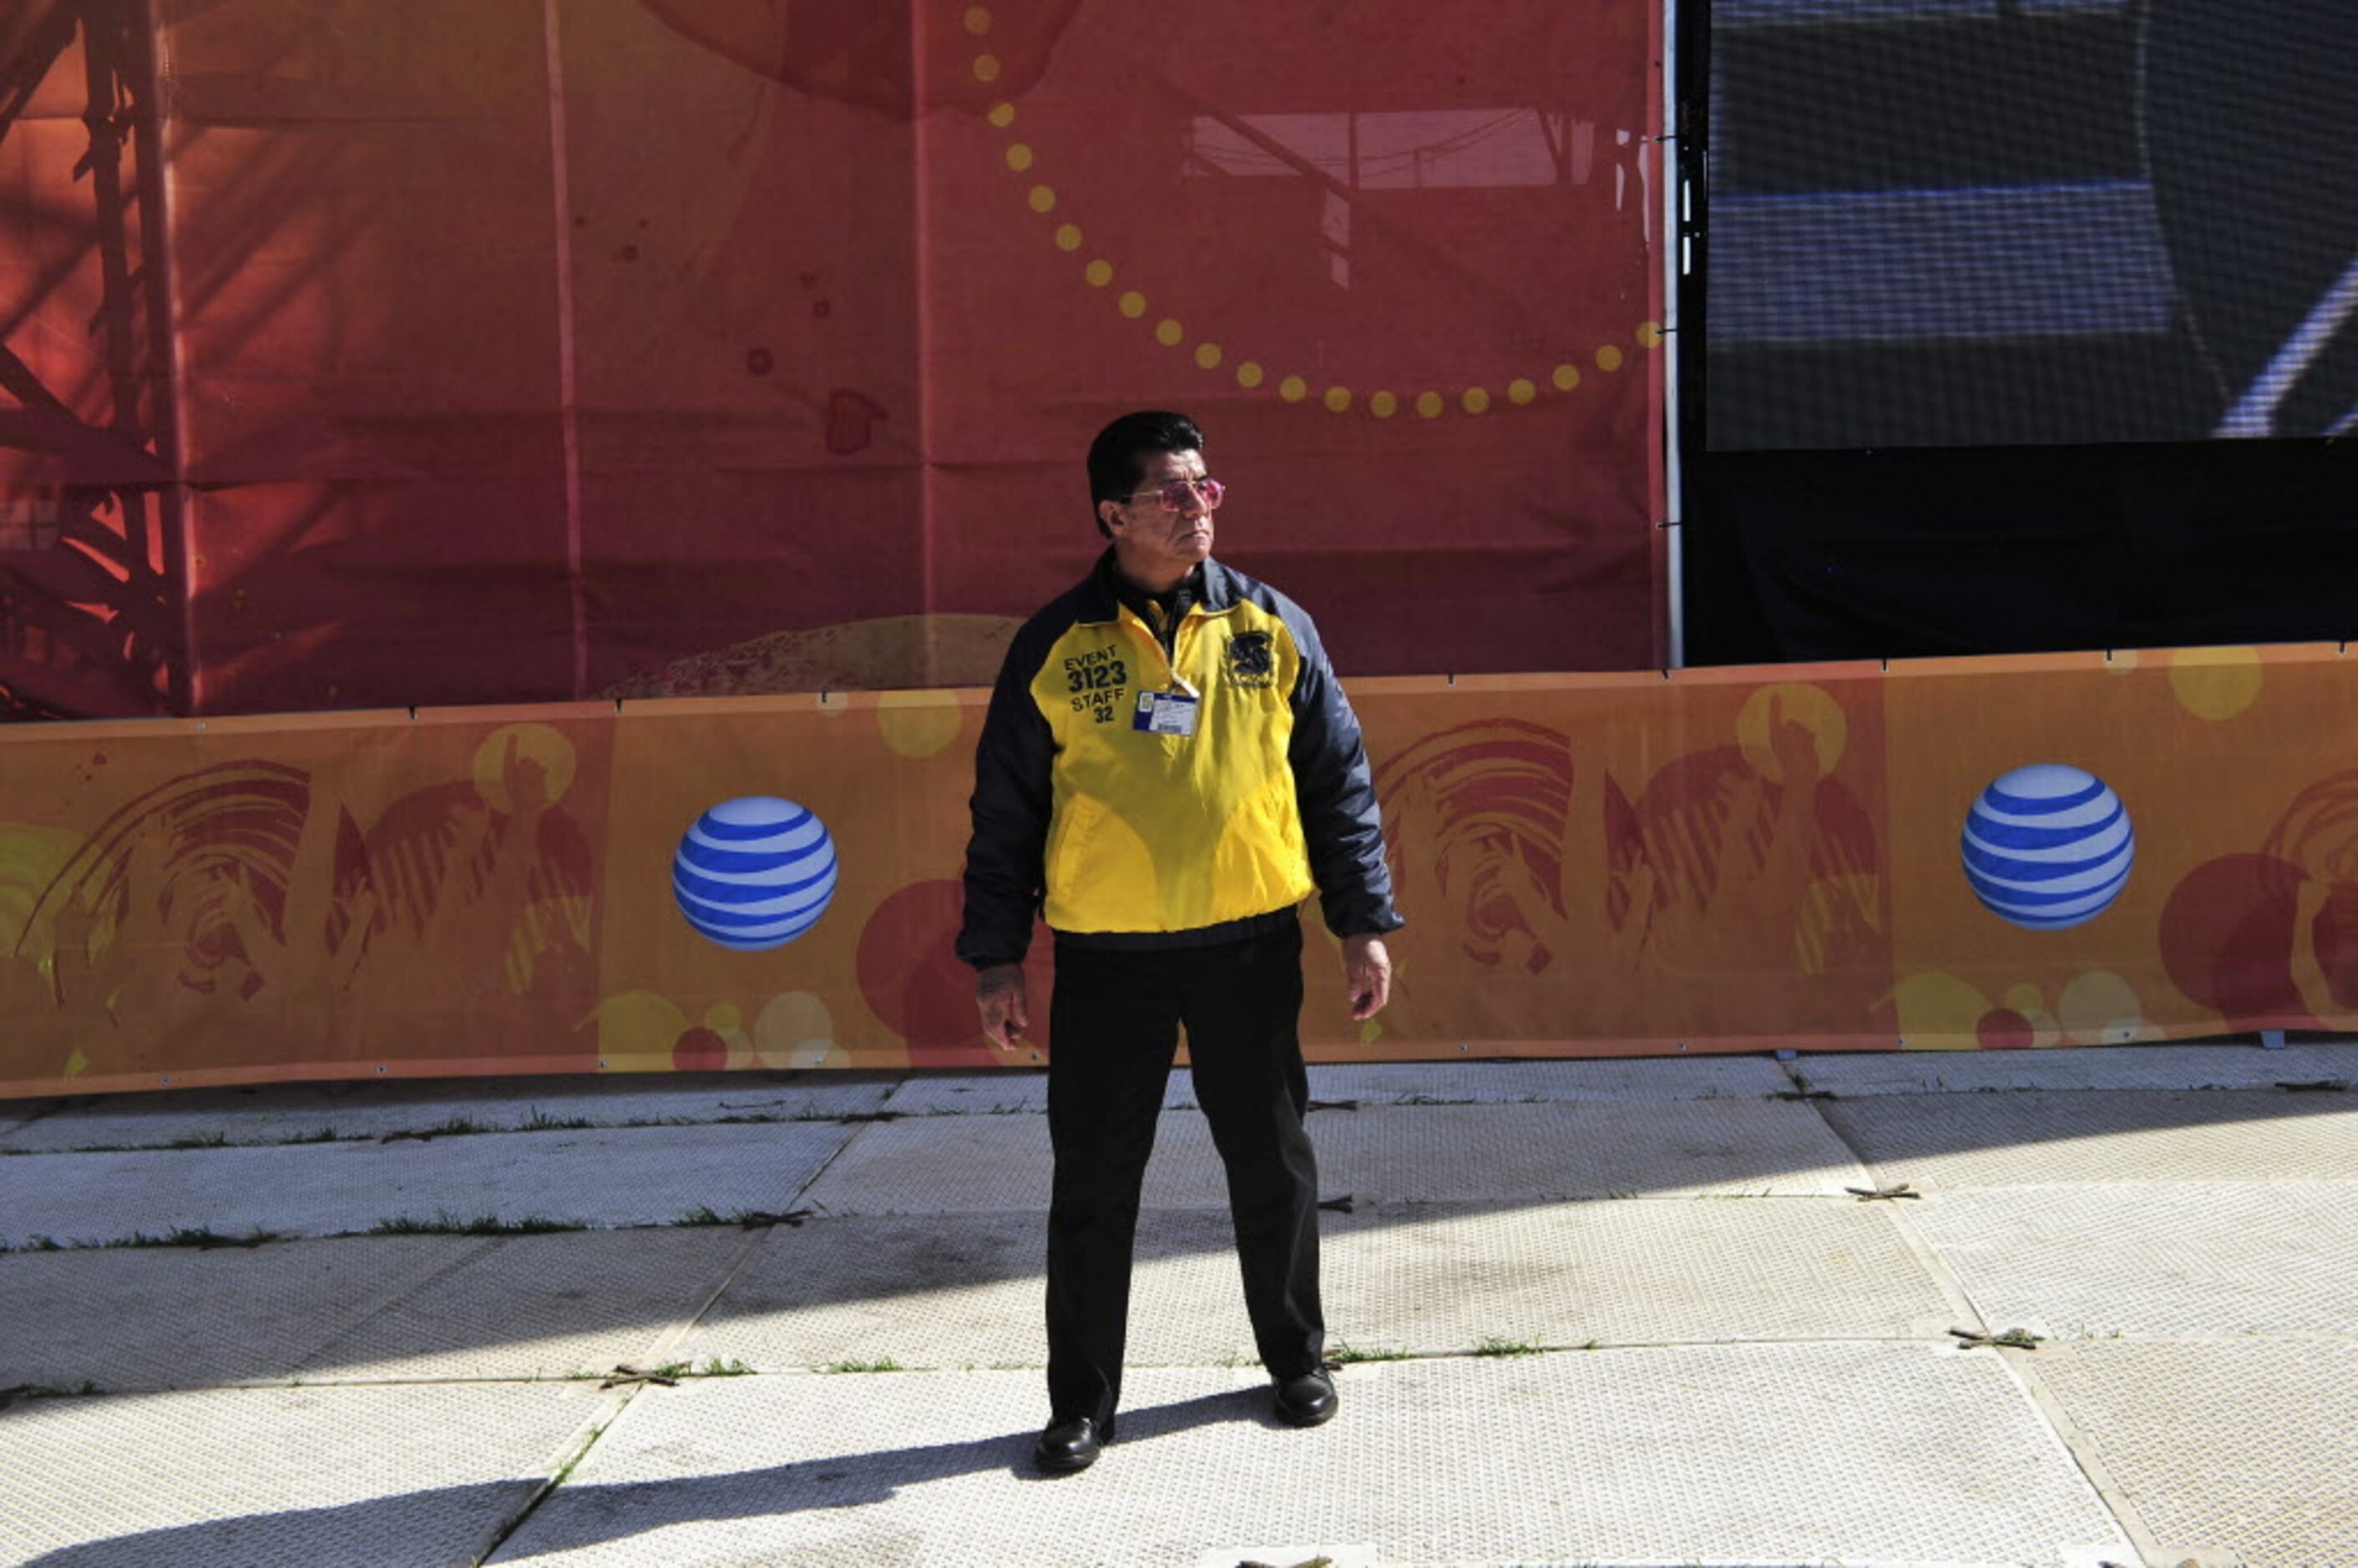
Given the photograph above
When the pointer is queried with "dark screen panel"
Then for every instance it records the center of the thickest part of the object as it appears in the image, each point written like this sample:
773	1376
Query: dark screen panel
1984	222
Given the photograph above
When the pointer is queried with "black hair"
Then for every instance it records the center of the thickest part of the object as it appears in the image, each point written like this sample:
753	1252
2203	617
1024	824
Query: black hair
1116	458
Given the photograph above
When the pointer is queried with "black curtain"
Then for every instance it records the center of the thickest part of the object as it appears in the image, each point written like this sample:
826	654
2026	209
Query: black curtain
1802	556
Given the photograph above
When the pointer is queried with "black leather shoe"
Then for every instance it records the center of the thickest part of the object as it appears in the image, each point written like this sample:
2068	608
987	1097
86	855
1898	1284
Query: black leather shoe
1306	1400
1070	1445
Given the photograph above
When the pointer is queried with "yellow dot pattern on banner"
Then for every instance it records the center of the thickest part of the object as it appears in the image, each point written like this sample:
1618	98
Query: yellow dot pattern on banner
2025	997
978	20
724	1016
793	1030
1521	391
537	746
1792	702
1938	1011
918	723
638	1023
2100	1008
2216	683
1168	332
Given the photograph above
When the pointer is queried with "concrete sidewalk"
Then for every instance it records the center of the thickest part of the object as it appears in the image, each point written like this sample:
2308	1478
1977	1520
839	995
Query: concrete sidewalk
1625	1313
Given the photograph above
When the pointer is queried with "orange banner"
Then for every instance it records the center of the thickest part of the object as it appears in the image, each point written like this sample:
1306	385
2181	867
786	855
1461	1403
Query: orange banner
1997	853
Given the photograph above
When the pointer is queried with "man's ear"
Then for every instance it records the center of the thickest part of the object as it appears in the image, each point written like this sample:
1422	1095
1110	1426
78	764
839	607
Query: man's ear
1111	516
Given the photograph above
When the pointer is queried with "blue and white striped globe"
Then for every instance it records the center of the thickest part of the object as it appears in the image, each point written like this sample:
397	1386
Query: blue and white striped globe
755	873
2049	847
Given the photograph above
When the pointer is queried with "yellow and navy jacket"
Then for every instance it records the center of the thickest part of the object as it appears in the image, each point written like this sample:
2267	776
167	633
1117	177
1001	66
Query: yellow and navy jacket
1124	837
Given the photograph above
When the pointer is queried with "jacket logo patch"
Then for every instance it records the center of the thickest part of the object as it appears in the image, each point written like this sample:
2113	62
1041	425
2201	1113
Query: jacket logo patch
1251	660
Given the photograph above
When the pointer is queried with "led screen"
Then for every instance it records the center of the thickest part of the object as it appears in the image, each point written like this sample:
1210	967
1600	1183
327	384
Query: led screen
1989	221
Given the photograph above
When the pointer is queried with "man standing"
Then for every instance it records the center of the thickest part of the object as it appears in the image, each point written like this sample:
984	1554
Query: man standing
1168	768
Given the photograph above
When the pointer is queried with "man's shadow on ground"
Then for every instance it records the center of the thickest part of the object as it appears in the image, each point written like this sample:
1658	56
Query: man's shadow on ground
450	1525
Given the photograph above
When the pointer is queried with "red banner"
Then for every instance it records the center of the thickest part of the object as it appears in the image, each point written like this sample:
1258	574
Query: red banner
472	351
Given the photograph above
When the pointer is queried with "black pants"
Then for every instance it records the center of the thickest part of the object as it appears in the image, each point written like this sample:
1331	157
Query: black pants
1114	1025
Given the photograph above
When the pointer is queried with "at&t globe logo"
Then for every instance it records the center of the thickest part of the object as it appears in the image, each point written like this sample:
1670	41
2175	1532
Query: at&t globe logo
2049	847
754	873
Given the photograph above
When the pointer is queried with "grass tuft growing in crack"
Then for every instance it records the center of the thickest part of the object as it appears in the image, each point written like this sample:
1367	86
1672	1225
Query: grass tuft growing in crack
48	1391
886	1365
33	1244
1498	1345
445	1223
1345	1354
200	1236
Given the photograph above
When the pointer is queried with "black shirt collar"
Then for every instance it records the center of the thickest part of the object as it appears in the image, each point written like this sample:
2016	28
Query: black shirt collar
1172	606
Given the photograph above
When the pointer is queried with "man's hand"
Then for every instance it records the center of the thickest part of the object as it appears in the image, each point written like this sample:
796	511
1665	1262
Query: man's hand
999	992
1366	976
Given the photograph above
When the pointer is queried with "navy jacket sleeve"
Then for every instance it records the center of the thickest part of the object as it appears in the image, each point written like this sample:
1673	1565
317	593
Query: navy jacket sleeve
1005	859
1338	794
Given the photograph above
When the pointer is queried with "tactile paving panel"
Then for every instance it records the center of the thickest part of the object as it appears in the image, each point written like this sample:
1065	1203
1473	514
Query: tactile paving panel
282	1113
1016	1092
1624	1272
2037	1139
1623	1079
1399	1083
963	1291
2220	1067
531	1307
2247	1447
636	1176
1441	1153
2156	1260
413	1476
936	1164
154	1318
1518	1153
1755	1454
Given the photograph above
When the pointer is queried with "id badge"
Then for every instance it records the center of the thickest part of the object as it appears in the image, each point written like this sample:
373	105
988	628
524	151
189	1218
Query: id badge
1165	713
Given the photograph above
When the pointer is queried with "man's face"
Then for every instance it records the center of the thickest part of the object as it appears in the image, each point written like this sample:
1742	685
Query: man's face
1156	541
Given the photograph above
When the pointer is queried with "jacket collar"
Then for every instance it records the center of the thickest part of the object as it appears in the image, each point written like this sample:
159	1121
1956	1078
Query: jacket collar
1103	592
